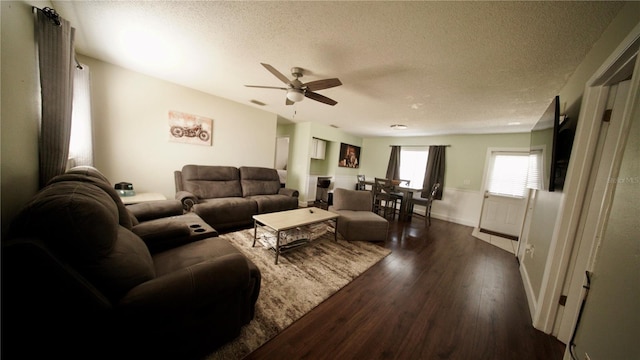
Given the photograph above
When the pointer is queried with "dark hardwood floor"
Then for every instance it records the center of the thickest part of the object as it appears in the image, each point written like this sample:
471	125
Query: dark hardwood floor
441	294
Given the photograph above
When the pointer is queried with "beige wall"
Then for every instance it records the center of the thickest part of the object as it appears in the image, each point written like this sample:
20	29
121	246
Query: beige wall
132	144
20	107
130	116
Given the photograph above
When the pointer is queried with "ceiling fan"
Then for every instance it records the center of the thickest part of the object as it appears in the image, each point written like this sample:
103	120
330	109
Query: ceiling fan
297	90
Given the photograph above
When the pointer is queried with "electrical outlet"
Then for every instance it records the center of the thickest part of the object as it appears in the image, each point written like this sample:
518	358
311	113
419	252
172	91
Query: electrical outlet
530	249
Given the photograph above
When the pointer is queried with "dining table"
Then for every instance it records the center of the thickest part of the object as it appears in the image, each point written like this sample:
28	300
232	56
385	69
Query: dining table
407	192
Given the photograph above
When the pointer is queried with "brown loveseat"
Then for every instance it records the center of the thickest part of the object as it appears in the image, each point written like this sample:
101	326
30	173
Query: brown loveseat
77	282
227	197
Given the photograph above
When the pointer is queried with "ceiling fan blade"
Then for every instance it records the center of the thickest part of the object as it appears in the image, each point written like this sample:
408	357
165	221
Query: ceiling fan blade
322	84
277	73
266	87
321	98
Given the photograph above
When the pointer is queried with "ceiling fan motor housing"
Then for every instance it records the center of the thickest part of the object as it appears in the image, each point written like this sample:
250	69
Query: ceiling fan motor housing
297	72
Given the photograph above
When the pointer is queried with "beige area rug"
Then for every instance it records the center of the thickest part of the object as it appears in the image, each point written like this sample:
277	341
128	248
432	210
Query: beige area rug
303	278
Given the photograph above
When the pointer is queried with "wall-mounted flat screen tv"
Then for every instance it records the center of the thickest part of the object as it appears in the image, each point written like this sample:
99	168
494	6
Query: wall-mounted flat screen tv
550	149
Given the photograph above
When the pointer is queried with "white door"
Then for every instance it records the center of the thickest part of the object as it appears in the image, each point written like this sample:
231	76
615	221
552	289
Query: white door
502	215
597	204
505	198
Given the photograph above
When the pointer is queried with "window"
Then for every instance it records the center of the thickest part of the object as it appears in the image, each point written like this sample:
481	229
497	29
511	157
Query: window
81	142
413	162
535	177
508	174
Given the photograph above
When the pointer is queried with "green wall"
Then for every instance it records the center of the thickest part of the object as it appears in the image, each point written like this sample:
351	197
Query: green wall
465	156
301	166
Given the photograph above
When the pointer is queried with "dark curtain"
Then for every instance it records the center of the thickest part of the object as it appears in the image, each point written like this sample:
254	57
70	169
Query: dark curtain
393	169
434	172
55	38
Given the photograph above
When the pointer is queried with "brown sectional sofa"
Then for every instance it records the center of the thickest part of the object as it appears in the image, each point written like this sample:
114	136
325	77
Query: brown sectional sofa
78	282
227	197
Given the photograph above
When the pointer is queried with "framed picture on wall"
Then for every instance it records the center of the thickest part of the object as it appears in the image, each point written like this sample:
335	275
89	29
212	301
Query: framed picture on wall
349	156
190	129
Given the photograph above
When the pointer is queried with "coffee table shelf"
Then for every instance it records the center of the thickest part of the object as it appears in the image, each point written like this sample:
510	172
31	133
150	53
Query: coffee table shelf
282	221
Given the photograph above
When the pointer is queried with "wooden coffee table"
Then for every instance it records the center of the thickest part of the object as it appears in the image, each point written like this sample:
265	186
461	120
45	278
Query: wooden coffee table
290	219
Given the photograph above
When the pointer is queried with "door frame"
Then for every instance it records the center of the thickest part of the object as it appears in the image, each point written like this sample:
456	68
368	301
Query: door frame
485	179
578	174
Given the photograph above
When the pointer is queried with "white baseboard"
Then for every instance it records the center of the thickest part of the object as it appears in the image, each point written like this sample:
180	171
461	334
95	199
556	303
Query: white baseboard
504	244
528	289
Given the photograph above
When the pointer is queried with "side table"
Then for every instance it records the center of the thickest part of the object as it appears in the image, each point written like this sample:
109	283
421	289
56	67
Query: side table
142	197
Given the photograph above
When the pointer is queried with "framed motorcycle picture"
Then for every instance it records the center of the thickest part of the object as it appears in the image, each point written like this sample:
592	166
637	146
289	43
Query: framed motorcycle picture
190	129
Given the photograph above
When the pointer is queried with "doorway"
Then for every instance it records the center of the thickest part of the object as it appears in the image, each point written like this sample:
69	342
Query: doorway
281	162
505	198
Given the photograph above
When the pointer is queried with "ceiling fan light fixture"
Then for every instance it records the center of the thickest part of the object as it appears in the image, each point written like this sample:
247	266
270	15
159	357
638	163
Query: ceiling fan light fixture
295	95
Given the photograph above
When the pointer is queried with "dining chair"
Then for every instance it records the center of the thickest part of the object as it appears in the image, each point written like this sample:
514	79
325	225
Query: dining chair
426	202
384	200
361	183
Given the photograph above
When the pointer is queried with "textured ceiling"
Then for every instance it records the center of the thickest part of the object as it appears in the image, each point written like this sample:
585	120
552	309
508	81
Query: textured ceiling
437	67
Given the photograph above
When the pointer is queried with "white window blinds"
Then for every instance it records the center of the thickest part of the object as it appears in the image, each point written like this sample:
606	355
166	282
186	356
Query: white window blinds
508	174
535	177
413	162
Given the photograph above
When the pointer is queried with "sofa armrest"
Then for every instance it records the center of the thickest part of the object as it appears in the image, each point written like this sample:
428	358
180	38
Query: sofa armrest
155	209
181	290
187	199
161	234
289	192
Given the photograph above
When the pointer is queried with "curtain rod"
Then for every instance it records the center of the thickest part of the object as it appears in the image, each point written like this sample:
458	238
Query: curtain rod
55	18
50	13
419	145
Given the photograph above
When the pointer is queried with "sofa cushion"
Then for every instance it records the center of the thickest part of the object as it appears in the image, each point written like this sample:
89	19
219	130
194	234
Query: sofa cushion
361	225
273	203
191	254
75	219
344	199
209	182
259	181
79	221
127	266
94	177
226	212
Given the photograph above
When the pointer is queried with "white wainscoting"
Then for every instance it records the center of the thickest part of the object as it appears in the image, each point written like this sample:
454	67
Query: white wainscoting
343	182
459	206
